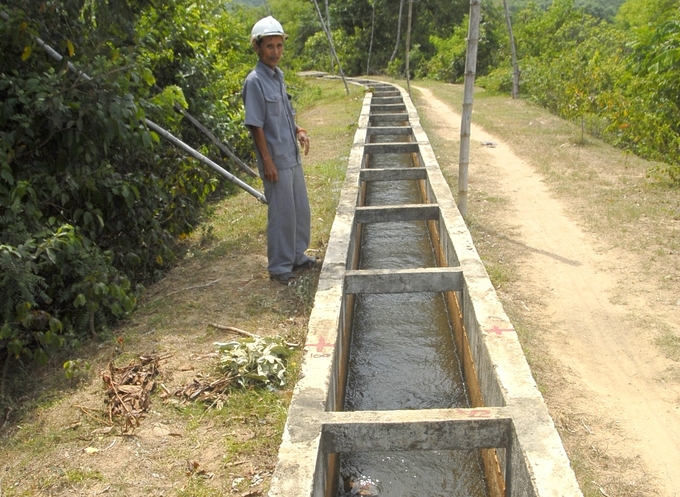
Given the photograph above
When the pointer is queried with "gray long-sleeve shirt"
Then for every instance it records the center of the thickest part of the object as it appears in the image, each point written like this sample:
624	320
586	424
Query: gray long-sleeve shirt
268	107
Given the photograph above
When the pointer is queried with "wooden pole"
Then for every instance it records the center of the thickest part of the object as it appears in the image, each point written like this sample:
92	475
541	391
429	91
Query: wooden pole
513	51
468	96
370	46
330	42
328	24
408	46
396	44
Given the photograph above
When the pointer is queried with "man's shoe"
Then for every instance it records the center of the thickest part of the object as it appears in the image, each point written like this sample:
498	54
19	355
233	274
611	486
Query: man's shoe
308	264
288	279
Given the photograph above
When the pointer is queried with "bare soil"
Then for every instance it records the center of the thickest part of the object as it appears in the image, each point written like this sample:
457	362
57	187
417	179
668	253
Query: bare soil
593	310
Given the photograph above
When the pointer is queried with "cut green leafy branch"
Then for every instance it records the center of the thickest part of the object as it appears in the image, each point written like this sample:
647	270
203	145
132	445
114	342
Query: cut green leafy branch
256	361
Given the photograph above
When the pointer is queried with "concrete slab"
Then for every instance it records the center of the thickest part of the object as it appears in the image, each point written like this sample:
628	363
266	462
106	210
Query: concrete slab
437	279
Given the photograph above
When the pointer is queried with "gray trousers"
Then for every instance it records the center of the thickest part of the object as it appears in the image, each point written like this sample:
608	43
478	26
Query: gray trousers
289	220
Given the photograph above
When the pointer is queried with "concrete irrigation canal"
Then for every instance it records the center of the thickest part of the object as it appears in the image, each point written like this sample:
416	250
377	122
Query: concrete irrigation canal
413	382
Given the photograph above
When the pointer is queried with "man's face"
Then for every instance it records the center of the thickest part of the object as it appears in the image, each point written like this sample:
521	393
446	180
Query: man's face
270	50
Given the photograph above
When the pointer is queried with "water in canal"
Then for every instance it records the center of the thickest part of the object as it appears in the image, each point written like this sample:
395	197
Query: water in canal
403	356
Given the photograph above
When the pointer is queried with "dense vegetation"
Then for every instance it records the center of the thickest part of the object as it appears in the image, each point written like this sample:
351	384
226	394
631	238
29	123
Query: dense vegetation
619	79
91	202
612	65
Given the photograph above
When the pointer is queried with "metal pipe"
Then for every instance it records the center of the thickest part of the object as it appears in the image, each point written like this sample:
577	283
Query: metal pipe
217	142
202	158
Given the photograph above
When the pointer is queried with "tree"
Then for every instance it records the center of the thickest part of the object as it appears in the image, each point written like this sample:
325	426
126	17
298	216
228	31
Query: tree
91	204
640	13
353	23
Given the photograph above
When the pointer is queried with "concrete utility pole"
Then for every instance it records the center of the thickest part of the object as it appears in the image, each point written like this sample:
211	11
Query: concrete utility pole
468	96
330	42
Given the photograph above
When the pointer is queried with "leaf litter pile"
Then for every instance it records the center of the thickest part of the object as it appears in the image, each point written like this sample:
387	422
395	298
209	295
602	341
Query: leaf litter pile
128	389
248	362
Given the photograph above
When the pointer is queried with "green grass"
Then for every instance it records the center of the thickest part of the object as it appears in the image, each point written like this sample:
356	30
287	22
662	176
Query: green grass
173	318
80	475
669	343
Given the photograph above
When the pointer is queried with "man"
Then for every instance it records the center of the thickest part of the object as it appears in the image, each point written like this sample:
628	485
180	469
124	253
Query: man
271	120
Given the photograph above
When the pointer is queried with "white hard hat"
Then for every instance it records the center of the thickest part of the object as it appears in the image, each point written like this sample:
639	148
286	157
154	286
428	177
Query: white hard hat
267	26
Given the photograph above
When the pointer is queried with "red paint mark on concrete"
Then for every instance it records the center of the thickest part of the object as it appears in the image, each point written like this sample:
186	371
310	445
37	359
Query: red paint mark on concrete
321	345
499	331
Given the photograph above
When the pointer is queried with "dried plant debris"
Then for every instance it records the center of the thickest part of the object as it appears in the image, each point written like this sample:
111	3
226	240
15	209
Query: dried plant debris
129	389
193	469
205	390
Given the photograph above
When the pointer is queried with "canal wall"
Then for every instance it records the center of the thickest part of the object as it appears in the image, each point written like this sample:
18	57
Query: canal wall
509	420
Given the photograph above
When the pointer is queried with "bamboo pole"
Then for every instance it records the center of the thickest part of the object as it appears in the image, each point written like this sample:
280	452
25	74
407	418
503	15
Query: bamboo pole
162	132
328	24
370	46
468	97
396	44
513	52
408	46
330	42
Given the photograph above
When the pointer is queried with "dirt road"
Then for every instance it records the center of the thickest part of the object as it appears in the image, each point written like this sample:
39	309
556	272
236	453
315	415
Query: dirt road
597	316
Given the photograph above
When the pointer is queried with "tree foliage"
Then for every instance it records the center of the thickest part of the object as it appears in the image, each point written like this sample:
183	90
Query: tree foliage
91	202
448	61
619	79
601	9
351	25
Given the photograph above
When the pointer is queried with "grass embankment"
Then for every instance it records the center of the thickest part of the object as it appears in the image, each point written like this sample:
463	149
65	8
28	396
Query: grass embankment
55	439
56	436
613	196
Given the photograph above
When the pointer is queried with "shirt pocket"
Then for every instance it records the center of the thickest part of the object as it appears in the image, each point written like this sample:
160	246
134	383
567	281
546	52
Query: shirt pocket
274	105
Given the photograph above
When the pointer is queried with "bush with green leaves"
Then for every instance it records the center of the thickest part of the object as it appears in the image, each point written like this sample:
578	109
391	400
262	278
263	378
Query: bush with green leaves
620	80
448	61
92	203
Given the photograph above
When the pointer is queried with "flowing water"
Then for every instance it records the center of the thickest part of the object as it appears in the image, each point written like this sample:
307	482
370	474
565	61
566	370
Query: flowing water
402	356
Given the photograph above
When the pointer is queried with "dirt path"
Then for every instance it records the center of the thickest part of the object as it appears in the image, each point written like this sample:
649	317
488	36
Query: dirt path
611	391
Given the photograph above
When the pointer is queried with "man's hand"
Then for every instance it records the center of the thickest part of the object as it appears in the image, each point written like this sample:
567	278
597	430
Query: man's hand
303	138
271	174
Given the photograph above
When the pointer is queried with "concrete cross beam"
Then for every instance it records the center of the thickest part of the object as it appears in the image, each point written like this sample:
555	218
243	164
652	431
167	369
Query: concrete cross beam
393	174
435	279
392	213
